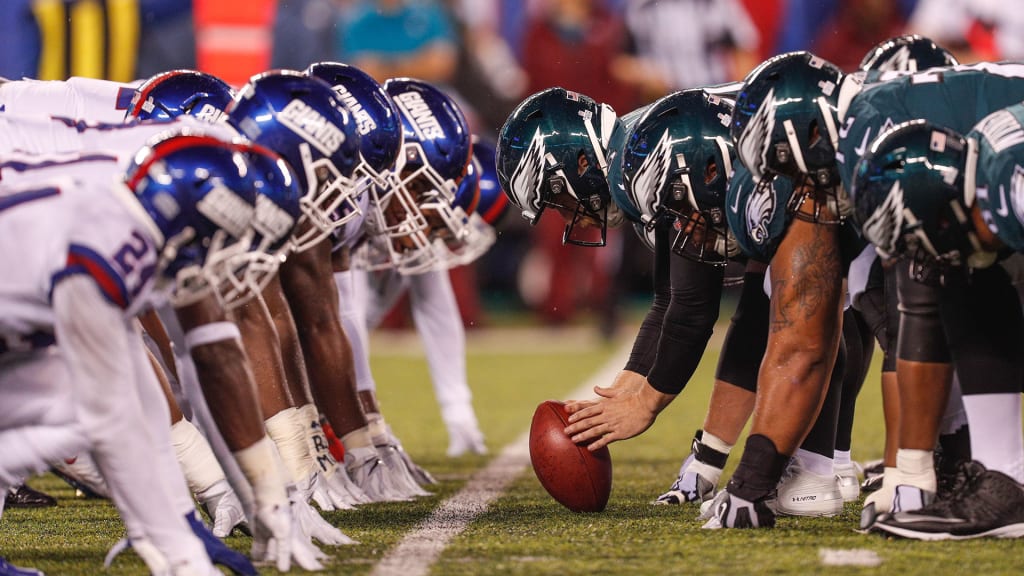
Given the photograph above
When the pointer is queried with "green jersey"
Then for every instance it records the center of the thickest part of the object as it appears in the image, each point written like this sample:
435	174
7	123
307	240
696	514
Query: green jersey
1000	173
956	97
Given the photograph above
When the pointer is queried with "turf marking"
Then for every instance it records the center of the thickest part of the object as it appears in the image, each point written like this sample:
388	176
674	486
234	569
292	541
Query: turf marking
849	557
420	549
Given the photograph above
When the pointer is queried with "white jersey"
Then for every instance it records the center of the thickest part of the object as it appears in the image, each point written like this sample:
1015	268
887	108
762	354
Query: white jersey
97	100
67	227
36	148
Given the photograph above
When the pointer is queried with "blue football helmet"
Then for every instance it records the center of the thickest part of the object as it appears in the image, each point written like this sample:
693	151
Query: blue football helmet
171	94
303	120
375	115
553	153
277	212
493	204
480	197
907	53
199	193
414	220
785	121
675	165
909	191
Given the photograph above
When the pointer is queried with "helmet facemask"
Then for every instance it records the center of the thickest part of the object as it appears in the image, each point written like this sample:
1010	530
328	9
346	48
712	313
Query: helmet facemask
329	204
702	234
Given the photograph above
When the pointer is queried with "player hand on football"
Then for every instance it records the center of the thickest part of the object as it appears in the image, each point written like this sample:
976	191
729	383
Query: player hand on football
622	412
624	380
276	539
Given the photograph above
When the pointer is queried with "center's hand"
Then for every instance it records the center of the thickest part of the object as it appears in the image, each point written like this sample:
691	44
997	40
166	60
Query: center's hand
626	409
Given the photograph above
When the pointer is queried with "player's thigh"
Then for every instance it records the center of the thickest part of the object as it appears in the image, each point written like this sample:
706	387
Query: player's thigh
35	389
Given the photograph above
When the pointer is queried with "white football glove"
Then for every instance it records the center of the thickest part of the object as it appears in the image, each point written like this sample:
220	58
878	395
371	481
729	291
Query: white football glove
337	492
223	506
312	524
277	539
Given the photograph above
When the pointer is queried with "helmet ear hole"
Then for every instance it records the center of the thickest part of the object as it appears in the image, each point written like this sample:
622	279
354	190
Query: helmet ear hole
813	134
710	171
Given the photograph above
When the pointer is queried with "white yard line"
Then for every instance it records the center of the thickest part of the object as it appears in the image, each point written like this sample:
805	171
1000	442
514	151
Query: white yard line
420	549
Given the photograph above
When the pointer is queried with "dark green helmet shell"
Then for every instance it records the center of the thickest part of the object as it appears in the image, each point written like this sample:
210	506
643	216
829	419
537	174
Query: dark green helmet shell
785	119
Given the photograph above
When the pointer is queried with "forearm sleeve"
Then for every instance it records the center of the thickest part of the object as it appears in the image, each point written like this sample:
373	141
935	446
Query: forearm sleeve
689	321
645	346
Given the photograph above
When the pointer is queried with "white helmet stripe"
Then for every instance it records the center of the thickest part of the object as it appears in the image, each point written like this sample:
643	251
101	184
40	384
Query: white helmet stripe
724	149
794	145
596	144
830	122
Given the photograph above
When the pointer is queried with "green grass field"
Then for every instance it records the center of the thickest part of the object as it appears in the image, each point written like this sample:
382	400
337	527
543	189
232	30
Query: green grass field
525	531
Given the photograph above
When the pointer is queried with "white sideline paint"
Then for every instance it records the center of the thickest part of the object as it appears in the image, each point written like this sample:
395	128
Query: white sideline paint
418	551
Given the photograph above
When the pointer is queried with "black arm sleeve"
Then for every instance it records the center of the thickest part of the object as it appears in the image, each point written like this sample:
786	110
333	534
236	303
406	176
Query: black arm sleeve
645	346
692	312
921	338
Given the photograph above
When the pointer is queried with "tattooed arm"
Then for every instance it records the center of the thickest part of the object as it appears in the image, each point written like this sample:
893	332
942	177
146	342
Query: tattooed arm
805	323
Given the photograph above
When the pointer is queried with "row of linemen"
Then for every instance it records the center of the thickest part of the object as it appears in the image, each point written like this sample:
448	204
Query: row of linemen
240	227
863	180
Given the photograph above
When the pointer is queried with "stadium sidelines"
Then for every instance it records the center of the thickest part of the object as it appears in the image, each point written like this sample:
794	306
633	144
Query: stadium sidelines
420	549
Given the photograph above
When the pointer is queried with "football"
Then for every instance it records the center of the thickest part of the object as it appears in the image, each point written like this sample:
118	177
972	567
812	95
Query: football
577	478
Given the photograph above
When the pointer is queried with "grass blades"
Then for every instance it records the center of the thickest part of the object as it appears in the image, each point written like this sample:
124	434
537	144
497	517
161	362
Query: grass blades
525	531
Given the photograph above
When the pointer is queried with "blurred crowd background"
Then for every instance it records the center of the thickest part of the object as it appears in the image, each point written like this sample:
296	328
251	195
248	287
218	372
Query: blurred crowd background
490	54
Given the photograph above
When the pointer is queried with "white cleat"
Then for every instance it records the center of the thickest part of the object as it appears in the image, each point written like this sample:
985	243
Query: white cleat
848	480
803	493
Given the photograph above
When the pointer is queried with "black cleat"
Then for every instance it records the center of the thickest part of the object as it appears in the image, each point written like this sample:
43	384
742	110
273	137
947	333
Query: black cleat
988	503
25	497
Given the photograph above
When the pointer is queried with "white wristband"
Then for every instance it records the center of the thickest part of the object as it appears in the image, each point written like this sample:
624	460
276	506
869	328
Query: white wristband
210	333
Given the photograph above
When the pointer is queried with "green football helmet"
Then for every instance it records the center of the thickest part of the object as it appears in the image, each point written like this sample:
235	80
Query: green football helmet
785	122
675	167
910	198
907	53
553	153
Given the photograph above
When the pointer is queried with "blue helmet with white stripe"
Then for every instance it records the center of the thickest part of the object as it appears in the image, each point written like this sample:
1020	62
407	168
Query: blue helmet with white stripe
303	120
181	92
375	115
199	192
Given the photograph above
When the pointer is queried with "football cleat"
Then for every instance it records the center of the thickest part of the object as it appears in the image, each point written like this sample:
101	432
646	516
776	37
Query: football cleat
731	511
24	497
690	486
990	504
849	483
8	569
803	493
